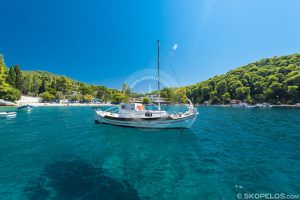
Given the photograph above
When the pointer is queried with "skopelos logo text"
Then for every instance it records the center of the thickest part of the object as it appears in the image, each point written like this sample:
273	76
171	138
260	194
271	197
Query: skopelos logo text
269	196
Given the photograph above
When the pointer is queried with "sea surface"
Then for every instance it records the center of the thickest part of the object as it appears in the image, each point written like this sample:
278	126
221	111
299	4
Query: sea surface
60	153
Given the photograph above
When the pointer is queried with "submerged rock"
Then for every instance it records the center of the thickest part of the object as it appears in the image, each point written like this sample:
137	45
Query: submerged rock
77	179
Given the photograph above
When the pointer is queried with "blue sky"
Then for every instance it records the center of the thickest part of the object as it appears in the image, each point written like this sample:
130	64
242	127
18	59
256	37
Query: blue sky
104	42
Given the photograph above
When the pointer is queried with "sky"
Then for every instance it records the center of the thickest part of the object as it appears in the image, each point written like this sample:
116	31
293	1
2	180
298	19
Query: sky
106	42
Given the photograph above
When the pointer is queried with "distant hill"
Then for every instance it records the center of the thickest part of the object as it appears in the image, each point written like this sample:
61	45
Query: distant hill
49	86
52	86
41	73
274	80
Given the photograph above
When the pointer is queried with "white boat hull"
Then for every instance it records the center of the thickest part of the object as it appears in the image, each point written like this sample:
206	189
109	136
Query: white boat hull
184	122
8	114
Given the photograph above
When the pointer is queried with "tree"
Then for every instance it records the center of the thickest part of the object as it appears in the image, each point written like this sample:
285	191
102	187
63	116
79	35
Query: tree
277	91
6	91
76	97
234	85
86	89
11	78
47	96
167	93
2	71
272	78
18	84
118	97
146	100
205	93
226	97
221	87
126	90
242	92
27	83
294	80
87	98
126	99
42	88
293	92
59	95
63	84
103	93
36	83
179	95
9	93
213	98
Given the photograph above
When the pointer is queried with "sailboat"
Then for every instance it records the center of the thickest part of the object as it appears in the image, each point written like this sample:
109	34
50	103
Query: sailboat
135	115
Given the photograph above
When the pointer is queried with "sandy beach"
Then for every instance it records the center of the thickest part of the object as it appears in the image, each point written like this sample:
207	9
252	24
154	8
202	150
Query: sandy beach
38	102
64	104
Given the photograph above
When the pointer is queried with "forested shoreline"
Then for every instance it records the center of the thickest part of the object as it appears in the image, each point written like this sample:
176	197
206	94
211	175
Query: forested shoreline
273	80
14	82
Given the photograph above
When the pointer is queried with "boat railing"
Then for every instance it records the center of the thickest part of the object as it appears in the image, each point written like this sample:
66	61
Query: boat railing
111	109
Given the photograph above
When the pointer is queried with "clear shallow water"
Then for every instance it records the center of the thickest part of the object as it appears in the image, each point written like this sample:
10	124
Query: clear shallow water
60	153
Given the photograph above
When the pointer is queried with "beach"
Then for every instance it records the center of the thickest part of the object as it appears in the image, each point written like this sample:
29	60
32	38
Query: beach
38	102
65	104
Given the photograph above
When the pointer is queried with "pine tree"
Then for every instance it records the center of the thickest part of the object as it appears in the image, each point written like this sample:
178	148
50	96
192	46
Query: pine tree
2	71
18	77
42	89
6	91
11	78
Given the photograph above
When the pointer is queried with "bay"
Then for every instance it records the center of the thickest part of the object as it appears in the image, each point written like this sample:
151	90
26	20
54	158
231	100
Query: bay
60	153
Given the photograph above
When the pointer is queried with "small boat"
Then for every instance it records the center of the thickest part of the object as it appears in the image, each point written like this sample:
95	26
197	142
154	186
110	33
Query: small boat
263	105
8	114
25	107
135	115
250	106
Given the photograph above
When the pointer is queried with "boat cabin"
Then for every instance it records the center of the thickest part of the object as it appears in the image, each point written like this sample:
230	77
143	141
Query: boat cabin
133	106
138	110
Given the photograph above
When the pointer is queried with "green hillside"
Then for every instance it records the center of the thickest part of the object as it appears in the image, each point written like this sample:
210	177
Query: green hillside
275	80
14	82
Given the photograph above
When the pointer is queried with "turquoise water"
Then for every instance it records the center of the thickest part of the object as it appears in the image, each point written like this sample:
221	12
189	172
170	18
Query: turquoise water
60	153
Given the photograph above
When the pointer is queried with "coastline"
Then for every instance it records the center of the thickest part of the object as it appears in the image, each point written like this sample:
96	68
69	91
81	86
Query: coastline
67	105
62	105
228	105
103	104
37	102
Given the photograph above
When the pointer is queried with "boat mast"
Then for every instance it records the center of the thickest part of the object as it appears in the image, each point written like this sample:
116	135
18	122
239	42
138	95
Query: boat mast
158	75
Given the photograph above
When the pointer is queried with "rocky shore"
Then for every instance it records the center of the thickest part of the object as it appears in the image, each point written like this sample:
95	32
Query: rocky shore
6	103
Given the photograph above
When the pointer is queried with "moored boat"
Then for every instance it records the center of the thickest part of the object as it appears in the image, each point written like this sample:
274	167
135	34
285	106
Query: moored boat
8	114
25	107
135	114
263	105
